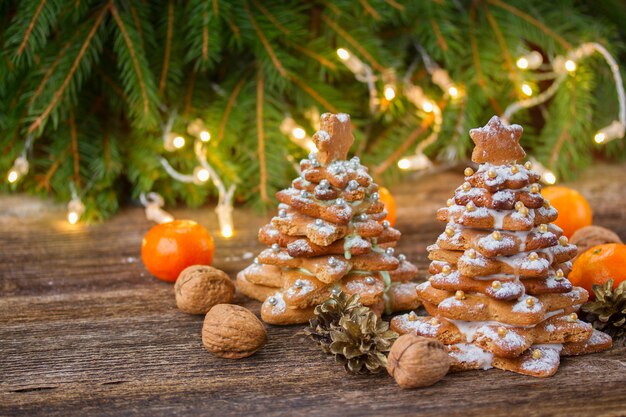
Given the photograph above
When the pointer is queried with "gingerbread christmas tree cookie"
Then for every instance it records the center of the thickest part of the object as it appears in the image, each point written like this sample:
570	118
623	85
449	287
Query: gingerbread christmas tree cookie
498	292
329	235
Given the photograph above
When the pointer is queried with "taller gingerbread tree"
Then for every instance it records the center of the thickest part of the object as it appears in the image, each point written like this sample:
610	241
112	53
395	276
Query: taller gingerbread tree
329	236
498	292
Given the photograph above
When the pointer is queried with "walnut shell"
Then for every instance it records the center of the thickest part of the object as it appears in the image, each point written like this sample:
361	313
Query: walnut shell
416	361
233	332
200	287
589	236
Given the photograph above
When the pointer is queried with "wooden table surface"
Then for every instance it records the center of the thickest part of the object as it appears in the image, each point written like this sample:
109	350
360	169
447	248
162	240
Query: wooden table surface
87	331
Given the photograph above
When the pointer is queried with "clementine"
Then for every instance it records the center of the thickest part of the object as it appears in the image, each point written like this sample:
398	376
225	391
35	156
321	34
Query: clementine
390	205
598	264
574	210
168	248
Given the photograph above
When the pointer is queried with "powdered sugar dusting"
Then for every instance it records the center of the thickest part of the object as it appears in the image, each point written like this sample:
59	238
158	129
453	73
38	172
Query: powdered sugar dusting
421	326
547	362
466	353
343	117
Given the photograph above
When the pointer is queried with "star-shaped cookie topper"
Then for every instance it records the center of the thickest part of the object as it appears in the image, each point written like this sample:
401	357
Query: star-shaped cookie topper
497	143
334	138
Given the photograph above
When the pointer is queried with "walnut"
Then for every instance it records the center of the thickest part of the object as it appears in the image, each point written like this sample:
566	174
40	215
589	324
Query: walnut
200	287
590	236
416	361
233	332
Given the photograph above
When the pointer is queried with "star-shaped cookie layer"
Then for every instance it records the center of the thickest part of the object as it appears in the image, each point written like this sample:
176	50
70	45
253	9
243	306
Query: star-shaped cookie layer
334	138
496	143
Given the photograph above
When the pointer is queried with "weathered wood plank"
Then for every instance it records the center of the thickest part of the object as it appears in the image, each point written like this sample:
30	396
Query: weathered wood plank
86	331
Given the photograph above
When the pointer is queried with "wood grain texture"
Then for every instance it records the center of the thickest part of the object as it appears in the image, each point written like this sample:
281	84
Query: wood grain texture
87	331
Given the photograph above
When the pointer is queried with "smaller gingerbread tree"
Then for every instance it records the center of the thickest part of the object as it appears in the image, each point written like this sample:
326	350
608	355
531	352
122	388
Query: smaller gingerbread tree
329	236
498	292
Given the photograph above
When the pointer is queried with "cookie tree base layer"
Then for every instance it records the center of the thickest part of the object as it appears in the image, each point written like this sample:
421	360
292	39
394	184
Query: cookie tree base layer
84	333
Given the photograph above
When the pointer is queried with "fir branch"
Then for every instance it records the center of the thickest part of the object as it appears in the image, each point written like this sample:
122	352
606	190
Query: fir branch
75	154
189	95
205	36
475	55
401	150
307	89
107	79
476	59
229	106
261	136
52	67
29	30
508	61
271	17
356	45
370	10
234	28
59	93
43	184
323	61
532	21
265	42
395	5
135	72
168	46
565	135
137	21
437	30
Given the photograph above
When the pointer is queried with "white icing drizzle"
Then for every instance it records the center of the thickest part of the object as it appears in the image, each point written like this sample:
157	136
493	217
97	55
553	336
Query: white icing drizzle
553	313
349	243
387	280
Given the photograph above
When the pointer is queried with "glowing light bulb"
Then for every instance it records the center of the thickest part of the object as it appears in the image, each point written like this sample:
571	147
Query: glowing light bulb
613	131
453	91
570	66
13	176
343	54
549	177
75	209
530	61
205	136
404	163
527	89
18	170
72	217
226	230
298	133
311	146
390	93
178	142
428	106
202	174
598	138
522	63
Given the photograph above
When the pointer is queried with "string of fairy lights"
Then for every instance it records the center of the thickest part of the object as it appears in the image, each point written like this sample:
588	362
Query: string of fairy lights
557	71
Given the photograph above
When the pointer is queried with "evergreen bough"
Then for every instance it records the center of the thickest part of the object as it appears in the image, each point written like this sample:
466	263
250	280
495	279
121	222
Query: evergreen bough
94	81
